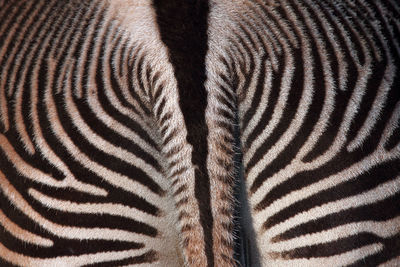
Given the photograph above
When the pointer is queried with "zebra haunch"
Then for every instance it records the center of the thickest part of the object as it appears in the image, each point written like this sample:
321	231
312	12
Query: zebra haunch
199	133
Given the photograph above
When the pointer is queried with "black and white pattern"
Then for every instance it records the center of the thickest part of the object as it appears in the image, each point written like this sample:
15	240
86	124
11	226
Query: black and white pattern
199	133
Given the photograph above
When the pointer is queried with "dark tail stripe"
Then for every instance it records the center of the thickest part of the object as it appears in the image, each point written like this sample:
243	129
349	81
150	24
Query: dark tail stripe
183	28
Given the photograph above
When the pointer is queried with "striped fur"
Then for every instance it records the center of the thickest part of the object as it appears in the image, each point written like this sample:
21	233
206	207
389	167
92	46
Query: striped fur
84	103
317	90
199	133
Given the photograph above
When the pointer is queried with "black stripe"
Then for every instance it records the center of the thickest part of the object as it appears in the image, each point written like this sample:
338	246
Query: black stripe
62	246
312	116
4	263
367	103
379	211
275	86
12	135
362	183
340	101
390	250
183	28
288	115
339	246
22	14
394	139
242	42
76	167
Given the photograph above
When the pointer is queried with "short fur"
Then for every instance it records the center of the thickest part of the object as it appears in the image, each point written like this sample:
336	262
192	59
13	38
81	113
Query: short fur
199	133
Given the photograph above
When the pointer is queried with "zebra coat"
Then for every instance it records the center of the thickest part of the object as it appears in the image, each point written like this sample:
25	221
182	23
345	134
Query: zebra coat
199	133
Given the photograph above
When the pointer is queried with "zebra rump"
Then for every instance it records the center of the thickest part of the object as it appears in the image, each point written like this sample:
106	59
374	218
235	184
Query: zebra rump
199	133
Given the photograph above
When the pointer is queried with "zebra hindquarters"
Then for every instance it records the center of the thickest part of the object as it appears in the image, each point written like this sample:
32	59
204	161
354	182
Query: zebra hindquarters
121	146
84	177
316	86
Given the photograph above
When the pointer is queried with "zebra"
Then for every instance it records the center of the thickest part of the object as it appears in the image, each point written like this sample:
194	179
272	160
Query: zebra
317	87
199	133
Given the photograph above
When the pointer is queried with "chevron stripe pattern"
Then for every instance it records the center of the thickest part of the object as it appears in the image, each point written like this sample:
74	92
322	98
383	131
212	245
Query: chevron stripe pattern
199	133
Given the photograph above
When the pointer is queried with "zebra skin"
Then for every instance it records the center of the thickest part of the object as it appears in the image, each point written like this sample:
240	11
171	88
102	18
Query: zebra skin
199	133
